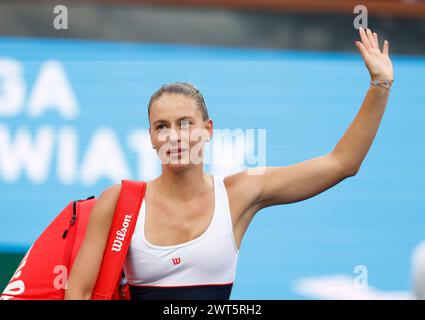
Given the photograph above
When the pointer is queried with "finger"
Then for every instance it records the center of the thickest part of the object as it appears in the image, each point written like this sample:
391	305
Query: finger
363	50
370	37
365	40
375	36
385	50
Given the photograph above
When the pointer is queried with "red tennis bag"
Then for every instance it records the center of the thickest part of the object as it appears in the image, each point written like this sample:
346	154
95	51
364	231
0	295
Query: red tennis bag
45	268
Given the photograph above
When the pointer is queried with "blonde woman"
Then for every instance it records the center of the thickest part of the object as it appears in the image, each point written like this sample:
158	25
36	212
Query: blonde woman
191	224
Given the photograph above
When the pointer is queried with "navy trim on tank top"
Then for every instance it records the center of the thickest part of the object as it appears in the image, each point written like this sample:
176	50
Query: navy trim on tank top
198	292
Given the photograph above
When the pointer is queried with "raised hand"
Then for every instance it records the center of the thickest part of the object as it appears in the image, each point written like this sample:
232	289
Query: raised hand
378	63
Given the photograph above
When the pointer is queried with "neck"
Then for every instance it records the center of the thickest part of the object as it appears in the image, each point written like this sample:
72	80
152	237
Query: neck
183	185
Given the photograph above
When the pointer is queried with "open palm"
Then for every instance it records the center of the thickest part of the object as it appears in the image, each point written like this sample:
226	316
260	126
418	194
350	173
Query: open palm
378	63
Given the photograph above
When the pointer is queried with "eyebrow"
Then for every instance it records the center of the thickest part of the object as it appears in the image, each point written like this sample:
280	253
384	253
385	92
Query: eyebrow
179	119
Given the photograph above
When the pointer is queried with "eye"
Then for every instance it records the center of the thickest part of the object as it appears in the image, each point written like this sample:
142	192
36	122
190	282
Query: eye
160	126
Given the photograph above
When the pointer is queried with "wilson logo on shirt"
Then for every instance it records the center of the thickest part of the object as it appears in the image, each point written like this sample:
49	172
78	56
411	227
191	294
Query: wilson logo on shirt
176	261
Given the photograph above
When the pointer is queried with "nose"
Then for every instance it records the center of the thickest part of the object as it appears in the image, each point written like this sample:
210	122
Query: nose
175	137
176	134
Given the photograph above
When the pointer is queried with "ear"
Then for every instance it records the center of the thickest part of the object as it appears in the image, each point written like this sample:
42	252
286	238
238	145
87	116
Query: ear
210	128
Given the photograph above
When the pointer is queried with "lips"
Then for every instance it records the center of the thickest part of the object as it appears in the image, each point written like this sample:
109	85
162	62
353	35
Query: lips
175	151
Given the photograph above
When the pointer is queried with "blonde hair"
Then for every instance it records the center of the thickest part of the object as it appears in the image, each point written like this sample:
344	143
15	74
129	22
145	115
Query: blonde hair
185	89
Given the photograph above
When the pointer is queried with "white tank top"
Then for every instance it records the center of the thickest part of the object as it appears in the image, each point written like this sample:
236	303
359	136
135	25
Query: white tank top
208	260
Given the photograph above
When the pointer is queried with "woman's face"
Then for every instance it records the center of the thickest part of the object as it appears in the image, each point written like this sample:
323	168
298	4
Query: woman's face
177	130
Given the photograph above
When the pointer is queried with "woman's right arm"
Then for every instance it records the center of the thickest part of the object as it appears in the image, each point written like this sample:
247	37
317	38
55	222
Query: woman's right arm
87	263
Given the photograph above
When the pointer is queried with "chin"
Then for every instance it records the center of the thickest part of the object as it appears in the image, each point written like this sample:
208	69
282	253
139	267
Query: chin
177	163
178	167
